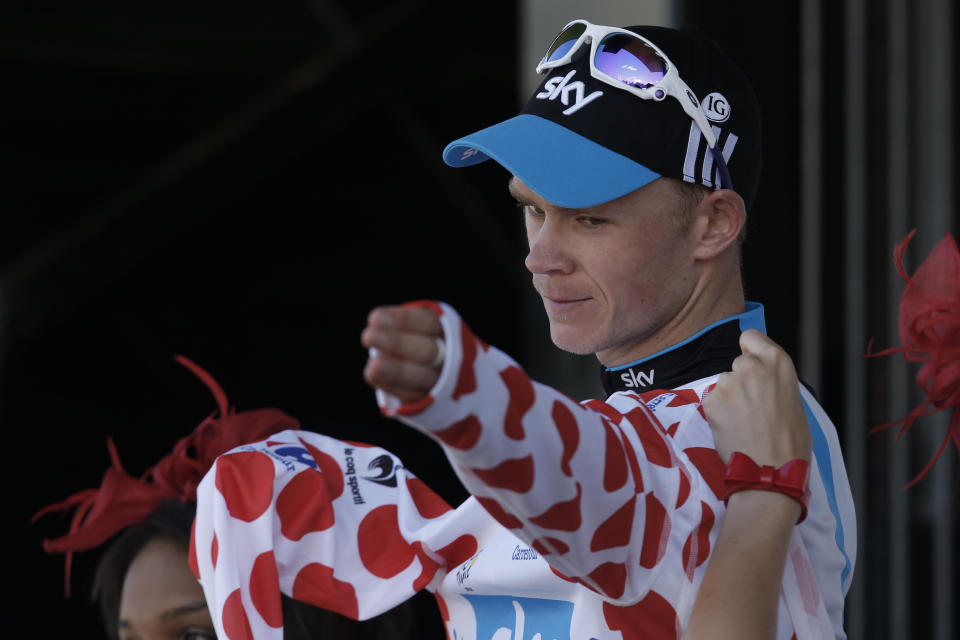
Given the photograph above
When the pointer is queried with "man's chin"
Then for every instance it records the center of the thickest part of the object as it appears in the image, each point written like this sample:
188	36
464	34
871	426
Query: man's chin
568	340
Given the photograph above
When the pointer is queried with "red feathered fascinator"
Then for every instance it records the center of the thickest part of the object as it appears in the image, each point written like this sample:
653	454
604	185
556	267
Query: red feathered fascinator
930	333
123	500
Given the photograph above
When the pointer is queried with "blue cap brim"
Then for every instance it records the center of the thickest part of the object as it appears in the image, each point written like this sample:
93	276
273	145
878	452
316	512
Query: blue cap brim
563	167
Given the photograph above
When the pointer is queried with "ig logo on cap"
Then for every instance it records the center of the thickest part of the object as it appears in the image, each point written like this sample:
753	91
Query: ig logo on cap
716	107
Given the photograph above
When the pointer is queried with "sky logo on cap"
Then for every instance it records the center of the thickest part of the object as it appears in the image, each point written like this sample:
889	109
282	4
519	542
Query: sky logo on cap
716	107
564	89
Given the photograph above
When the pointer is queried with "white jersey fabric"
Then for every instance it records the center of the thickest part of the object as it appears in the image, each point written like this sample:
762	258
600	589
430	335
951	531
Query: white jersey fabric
590	520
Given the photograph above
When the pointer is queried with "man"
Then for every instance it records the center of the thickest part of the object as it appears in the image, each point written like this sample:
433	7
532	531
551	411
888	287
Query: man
587	520
634	218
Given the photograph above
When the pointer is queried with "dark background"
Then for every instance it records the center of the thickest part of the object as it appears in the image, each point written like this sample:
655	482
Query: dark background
241	183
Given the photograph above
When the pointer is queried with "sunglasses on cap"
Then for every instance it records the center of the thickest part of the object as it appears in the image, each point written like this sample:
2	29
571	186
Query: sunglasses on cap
628	61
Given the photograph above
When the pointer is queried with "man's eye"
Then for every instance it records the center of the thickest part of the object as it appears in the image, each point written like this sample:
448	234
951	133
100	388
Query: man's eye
529	210
199	634
590	221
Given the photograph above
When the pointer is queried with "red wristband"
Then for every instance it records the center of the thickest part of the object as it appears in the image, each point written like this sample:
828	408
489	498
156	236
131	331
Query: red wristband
790	479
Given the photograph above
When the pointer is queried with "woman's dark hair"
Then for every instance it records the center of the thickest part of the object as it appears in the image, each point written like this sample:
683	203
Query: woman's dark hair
172	520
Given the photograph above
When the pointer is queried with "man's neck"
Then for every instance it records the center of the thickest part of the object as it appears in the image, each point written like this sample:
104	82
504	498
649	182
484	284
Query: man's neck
711	301
710	351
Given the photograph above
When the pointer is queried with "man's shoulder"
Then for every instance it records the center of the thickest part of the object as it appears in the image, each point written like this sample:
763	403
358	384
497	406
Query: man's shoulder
677	412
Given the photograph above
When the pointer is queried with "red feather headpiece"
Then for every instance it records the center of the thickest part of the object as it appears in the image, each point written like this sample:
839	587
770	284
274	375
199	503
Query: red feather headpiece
123	500
930	333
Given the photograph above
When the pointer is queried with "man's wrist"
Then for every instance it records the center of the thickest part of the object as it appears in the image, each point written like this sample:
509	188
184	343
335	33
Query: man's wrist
768	505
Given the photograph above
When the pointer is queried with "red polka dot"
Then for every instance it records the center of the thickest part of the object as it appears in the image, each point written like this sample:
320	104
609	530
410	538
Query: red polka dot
410	408
305	505
192	552
650	619
462	434
214	551
563	577
569	434
656	530
333	474
235	622
429	504
315	584
499	513
711	467
245	480
521	400
684	397
610	578
615	530
684	489
467	378
649	396
383	551
459	550
615	463
547	546
806	581
428	566
515	474
605	409
444	612
424	304
265	589
697	547
634	465
563	516
651	437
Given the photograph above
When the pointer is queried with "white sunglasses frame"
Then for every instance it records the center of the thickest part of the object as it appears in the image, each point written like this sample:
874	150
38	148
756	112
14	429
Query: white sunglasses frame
670	85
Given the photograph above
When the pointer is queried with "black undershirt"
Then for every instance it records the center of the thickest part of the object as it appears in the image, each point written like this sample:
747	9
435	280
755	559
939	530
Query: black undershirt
708	354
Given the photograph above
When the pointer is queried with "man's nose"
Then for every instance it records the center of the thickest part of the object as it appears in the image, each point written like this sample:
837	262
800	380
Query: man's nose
548	250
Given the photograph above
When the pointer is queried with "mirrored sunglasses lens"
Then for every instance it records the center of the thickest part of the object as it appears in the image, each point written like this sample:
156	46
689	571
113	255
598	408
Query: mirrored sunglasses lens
567	38
630	60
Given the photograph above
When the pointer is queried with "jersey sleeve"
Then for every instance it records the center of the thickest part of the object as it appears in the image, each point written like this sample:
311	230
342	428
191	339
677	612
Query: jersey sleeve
340	525
596	488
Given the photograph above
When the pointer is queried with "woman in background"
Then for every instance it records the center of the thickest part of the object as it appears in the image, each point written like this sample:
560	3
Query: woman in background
143	582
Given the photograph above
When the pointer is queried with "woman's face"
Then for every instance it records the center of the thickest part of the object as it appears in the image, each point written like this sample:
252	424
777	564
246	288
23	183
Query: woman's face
161	600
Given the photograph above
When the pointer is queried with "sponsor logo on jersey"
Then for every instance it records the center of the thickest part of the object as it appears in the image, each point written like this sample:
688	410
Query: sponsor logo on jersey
660	399
632	378
292	453
464	571
567	91
385	468
350	473
512	618
523	553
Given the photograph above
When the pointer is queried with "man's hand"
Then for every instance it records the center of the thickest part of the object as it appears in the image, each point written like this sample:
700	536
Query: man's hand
756	408
407	344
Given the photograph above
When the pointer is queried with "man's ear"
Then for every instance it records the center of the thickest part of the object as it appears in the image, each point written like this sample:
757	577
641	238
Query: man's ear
718	219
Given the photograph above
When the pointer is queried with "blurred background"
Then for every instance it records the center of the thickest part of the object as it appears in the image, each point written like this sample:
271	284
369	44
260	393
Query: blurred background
241	182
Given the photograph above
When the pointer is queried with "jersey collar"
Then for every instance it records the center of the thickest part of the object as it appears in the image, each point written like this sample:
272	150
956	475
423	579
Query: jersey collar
708	352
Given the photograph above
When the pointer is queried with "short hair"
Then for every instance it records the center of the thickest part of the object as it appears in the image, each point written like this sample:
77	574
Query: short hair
692	194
